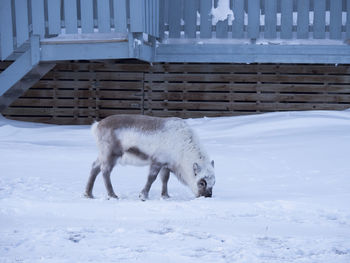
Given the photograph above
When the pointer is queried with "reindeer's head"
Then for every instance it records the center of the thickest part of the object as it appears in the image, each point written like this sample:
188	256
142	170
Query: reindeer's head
205	178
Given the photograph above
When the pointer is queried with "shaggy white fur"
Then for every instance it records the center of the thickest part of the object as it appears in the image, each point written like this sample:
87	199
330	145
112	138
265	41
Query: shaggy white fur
173	145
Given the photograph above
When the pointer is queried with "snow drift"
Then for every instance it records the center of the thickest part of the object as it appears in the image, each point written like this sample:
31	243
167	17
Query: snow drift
282	194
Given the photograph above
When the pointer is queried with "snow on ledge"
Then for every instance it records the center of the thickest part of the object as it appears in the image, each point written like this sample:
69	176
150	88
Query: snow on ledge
222	12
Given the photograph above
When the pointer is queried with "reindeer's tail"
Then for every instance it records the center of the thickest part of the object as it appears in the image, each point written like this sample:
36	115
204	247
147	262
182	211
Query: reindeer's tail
94	129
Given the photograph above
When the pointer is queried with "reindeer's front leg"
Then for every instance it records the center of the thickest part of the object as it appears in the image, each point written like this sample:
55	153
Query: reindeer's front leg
153	172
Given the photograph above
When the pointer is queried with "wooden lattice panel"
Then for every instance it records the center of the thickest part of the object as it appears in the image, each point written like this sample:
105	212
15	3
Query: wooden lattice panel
81	92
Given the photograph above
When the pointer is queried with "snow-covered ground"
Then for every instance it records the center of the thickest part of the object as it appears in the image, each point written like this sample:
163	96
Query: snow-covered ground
282	194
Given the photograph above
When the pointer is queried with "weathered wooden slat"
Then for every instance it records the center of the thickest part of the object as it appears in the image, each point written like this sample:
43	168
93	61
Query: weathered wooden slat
205	19
99	75
320	19
194	114
23	102
175	18
199	97
120	18
22	30
335	19
287	19
245	77
107	112
303	19
54	16
253	19
174	105
103	16
270	19
246	87
38	19
6	32
70	16
115	86
190	18
87	16
119	104
106	66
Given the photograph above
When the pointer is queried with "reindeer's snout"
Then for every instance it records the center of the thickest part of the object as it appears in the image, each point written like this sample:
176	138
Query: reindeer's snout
206	193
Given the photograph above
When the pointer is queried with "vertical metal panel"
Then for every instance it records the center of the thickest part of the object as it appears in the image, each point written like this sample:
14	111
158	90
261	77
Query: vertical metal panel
221	27
87	16
320	19
166	10
71	16
190	18
54	16
270	19
253	18
287	19
137	18
175	18
335	19
21	11
156	20
6	32
161	12
120	15
147	16
38	18
348	20
205	21
104	20
303	19
238	22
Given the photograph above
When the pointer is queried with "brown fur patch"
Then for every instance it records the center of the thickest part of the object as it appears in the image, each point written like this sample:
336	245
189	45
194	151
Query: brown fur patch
136	151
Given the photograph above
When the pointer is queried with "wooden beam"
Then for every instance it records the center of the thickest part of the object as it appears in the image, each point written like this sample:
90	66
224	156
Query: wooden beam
24	84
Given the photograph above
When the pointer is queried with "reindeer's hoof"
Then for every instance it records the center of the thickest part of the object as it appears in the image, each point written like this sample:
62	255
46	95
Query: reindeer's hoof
143	197
114	196
165	196
87	195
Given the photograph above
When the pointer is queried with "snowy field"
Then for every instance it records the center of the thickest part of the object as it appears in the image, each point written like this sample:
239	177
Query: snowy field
282	194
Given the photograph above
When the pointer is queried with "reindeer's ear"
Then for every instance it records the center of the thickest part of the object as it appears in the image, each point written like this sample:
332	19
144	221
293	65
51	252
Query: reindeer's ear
196	168
212	163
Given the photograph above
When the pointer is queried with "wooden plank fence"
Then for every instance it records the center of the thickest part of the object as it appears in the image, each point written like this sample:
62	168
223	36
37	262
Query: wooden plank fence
81	92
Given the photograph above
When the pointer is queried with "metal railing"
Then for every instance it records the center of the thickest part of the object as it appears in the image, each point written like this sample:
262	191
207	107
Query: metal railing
258	19
19	19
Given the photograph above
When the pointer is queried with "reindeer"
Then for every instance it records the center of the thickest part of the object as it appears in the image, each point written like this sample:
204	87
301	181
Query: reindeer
165	144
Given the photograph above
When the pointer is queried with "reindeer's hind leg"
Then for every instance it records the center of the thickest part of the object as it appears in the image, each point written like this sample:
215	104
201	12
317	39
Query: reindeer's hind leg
95	170
106	168
152	176
164	175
